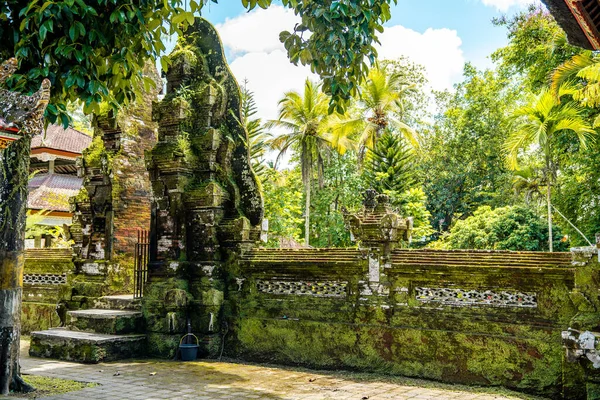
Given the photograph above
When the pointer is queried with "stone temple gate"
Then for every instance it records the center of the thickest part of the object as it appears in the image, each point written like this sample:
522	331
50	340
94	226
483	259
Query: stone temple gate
474	317
206	196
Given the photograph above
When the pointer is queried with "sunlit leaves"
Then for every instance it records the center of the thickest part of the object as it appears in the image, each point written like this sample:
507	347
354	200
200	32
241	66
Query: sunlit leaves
336	40
93	51
75	42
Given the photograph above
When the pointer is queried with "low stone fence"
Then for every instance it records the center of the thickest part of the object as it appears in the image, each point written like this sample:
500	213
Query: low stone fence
474	317
47	280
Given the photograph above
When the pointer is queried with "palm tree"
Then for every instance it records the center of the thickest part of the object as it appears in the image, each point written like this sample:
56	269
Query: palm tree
381	107
538	123
257	137
581	75
529	181
304	117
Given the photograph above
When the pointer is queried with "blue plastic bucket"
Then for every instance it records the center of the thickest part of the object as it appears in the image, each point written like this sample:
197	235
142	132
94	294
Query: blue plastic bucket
188	352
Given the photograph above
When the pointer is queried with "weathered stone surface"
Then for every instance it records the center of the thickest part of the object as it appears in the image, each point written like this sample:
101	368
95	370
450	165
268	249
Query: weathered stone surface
113	322
85	347
485	317
23	114
206	196
118	302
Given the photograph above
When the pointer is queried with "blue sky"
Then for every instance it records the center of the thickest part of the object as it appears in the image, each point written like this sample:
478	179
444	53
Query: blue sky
440	34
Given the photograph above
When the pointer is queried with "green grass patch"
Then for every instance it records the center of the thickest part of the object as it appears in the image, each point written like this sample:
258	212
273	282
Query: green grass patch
46	386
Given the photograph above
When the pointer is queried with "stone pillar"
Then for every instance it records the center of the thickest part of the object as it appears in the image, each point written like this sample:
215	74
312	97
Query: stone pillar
25	115
378	230
206	200
581	363
115	201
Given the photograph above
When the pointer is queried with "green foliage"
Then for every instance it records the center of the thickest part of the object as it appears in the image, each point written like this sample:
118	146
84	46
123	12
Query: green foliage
381	106
576	193
46	386
342	186
257	136
336	40
95	51
33	229
304	117
282	193
537	45
503	228
389	167
540	121
32	224
92	51
414	101
462	163
414	204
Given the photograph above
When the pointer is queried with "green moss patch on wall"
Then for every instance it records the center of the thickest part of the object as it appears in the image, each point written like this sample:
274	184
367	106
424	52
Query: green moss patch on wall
40	299
386	327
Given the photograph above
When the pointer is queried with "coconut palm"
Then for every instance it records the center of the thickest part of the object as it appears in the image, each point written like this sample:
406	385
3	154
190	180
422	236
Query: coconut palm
538	123
304	117
380	108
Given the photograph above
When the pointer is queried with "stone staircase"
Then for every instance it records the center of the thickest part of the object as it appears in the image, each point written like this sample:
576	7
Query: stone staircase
112	330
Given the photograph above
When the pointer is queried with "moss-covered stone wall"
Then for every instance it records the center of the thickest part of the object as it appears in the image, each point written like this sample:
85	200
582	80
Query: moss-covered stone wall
486	318
48	281
206	198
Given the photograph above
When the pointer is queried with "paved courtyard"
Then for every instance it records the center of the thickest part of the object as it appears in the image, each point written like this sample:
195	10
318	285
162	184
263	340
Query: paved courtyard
151	379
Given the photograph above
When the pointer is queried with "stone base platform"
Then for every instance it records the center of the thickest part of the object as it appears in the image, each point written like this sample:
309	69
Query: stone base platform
105	321
85	347
118	302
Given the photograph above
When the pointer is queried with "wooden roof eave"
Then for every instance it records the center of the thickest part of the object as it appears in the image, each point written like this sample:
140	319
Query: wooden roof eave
572	19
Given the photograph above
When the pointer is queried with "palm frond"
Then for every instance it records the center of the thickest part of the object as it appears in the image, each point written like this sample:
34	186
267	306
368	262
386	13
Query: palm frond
569	70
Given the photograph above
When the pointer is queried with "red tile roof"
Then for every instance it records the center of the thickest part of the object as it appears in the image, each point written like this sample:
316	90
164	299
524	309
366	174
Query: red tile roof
58	138
5	126
52	191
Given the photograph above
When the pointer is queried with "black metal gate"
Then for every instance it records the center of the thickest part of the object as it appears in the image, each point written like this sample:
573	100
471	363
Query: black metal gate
140	267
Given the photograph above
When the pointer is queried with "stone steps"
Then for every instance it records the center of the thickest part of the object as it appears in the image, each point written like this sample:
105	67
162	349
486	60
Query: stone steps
104	333
105	321
85	347
118	302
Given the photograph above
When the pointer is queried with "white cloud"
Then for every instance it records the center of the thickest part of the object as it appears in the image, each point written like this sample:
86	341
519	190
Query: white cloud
257	31
269	76
504	5
252	40
259	57
438	50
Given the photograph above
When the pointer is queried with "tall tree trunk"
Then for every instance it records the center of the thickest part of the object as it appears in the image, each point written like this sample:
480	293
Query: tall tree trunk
14	172
307	214
549	204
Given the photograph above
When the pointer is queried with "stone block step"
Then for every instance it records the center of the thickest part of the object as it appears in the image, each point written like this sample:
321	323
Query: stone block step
63	344
118	302
112	322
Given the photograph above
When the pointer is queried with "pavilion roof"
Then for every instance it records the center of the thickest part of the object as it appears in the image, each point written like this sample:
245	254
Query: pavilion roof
52	191
57	138
580	19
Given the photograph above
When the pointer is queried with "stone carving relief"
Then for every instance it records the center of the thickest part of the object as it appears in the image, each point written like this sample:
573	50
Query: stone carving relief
303	288
473	297
45	279
579	345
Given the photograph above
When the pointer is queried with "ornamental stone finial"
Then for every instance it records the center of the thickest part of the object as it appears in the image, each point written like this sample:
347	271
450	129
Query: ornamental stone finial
377	225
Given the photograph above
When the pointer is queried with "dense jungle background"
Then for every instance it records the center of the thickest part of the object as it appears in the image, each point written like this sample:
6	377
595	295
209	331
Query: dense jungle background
505	160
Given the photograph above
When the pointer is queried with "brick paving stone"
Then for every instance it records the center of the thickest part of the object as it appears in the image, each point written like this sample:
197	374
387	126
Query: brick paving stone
210	380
